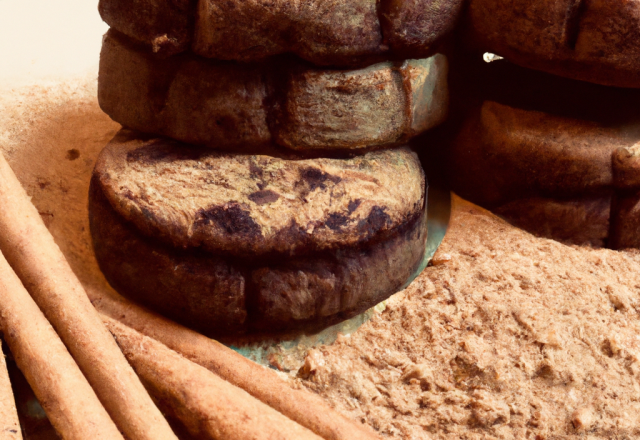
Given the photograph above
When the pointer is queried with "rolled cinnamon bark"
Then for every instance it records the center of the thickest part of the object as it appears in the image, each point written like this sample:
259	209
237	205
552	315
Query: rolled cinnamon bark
207	405
67	398
9	423
302	406
37	260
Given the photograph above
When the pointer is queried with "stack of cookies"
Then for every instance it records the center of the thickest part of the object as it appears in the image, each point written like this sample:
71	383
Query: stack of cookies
262	182
554	150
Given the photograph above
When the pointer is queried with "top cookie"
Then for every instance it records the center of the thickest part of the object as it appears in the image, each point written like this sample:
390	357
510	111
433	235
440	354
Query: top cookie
596	41
225	104
325	32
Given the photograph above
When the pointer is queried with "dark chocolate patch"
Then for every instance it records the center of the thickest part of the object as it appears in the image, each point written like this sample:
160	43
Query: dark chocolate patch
73	154
336	221
375	221
353	205
148	215
129	195
575	11
232	217
293	233
316	178
264	197
255	171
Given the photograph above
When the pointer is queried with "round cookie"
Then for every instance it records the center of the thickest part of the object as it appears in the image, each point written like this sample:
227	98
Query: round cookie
503	153
324	32
249	205
548	174
554	156
596	40
237	274
230	105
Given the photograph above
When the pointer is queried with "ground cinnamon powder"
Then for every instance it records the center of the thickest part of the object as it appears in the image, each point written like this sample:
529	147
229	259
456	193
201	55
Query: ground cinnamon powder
512	337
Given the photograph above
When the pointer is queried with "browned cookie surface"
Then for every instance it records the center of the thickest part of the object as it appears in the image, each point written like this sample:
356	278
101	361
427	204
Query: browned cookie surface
186	287
551	175
165	24
555	156
580	220
504	153
182	231
230	105
412	28
322	31
254	204
590	40
626	167
198	102
325	32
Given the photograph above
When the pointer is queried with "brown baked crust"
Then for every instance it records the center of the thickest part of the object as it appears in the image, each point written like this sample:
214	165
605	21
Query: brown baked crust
582	221
324	32
554	156
595	40
165	24
228	105
219	104
181	285
625	220
413	28
625	210
224	296
504	153
255	204
626	167
560	160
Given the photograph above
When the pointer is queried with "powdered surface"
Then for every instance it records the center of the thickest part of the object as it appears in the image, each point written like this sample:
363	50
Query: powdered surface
515	337
51	135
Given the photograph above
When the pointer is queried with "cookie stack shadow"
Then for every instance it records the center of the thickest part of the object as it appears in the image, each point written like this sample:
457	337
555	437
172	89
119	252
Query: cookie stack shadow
547	134
262	181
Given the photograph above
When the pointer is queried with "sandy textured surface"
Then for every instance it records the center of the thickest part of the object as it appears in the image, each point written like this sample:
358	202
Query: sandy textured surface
51	136
513	337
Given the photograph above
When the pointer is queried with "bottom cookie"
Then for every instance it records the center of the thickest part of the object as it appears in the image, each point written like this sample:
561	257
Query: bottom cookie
219	295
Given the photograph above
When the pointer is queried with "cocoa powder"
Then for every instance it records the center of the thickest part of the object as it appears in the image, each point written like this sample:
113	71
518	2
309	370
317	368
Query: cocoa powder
513	337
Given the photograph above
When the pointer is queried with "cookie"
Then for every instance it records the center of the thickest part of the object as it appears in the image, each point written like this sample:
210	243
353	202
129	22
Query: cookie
255	204
230	105
230	243
504	153
338	33
554	156
580	220
596	41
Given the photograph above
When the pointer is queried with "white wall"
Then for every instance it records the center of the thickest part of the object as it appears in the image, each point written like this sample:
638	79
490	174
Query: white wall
48	39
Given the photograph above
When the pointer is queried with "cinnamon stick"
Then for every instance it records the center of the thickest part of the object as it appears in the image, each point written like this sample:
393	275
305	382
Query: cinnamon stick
67	398
302	406
9	423
36	258
207	405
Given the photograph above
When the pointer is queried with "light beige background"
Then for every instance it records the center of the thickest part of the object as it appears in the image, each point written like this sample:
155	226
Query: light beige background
42	40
